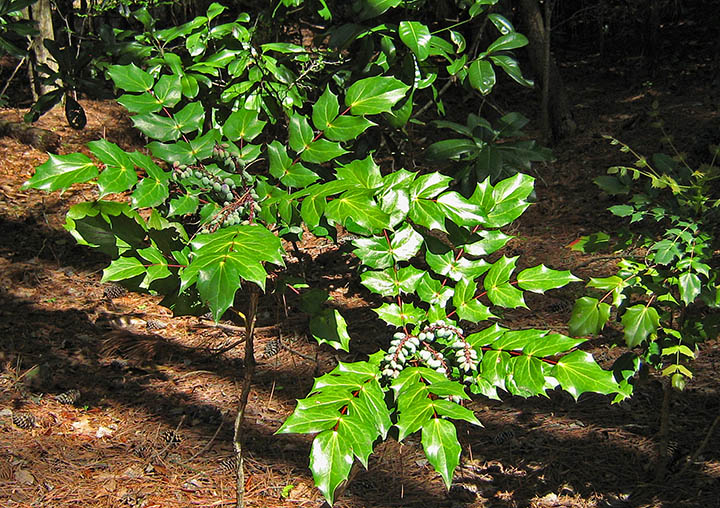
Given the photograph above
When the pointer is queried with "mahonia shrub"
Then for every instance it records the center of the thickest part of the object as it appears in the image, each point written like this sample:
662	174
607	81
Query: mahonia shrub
666	287
239	157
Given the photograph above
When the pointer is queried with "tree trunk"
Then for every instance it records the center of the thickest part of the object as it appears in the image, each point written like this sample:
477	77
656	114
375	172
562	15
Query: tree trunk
560	112
41	13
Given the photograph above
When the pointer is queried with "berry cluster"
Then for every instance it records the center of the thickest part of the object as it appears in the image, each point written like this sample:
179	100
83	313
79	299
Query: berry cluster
440	346
223	187
232	163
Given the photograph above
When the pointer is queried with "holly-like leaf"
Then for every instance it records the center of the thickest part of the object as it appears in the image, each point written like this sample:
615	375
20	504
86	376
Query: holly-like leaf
363	173
578	373
322	150
329	327
527	377
330	462
398	316
371	96
690	287
190	118
442	449
639	322
433	291
157	127
300	133
359	206
243	124
143	103
168	90
588	316
131	78
325	110
466	305
61	171
225	258
345	128
123	268
491	241
415	36
539	279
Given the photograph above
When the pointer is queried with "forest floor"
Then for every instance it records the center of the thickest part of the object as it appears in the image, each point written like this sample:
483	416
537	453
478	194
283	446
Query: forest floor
153	423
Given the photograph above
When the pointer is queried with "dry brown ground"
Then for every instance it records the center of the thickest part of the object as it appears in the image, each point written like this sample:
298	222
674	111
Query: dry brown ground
110	448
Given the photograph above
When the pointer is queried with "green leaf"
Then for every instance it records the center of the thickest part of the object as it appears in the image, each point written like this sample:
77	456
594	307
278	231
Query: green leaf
157	127
466	305
578	373
491	242
330	462
482	76
371	96
453	410
300	132
614	284
329	327
243	124
131	78
346	128
690	286
442	449
460	210
433	291
363	173
143	103
415	36
184	204
123	268
168	90
398	316
119	173
589	316
527	377
322	150
358	206
153	189
539	279
190	118
373	252
325	110
665	251
640	321
506	42
224	258
61	171
500	272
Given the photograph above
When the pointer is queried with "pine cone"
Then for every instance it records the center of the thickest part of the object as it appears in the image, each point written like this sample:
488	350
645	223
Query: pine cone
272	348
154	324
228	465
114	291
23	420
171	436
69	397
504	436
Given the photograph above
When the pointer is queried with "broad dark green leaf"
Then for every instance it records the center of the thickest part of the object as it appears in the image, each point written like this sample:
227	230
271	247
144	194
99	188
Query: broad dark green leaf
362	173
143	103
527	376
466	304
168	90
433	291
415	36
490	242
123	268
505	42
300	133
481	76
358	206
190	118
157	127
